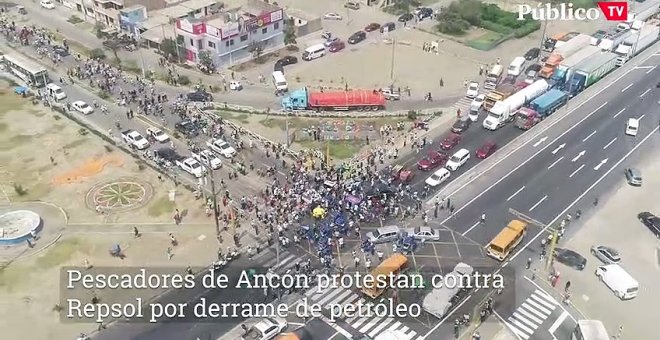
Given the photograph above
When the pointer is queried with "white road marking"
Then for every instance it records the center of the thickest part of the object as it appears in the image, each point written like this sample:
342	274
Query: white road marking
540	141
538	203
640	117
515	193
557	323
651	70
555	162
645	92
618	113
597	167
582	153
472	227
610	143
563	213
558	148
586	138
576	171
627	87
643	67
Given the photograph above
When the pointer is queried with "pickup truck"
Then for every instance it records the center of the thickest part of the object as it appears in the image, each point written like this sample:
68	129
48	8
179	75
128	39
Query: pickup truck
221	147
157	134
135	139
191	166
207	158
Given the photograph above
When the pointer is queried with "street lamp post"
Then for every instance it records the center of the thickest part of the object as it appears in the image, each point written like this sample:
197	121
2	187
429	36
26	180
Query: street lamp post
216	213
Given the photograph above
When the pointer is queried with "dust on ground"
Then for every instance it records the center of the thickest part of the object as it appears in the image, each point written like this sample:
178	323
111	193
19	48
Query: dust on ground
81	164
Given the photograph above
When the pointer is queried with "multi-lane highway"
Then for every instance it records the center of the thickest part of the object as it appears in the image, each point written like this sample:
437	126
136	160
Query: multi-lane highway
568	164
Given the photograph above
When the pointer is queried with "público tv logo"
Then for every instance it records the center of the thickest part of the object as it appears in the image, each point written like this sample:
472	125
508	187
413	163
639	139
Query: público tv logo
613	11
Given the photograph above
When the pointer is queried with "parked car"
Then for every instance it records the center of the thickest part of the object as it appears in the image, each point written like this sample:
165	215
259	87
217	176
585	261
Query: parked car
650	221
372	27
450	141
478	101
357	37
461	125
332	16
424	233
486	149
390	94
284	61
606	254
199	96
387	27
157	134
61	51
187	128
406	17
570	258
472	90
633	176
423	13
336	46
432	160
354	5
384	234
532	53
509	79
438	177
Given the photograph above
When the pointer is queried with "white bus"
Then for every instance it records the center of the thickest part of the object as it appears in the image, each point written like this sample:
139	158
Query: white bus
29	71
590	330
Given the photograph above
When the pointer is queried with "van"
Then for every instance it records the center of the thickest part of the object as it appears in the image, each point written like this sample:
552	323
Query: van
516	66
458	159
280	82
384	234
623	285
502	245
55	91
313	52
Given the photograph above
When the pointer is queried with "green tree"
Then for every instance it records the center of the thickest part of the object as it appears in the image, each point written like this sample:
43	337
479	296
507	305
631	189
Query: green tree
257	50
290	33
206	60
113	45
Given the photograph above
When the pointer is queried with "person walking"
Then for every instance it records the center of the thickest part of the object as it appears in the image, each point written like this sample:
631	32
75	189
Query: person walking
169	253
136	232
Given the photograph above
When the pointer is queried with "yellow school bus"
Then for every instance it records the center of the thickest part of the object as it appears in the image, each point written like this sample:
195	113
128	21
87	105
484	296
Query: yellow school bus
500	247
392	265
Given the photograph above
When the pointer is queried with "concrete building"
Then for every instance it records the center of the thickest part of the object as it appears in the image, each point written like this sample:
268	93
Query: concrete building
228	33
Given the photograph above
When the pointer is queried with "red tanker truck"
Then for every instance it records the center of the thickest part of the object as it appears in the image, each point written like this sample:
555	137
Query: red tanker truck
360	100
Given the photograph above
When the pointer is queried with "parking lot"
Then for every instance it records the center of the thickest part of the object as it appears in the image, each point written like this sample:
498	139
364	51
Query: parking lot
616	225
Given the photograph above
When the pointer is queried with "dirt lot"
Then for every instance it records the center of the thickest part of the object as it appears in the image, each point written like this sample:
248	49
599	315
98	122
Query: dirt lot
616	225
84	173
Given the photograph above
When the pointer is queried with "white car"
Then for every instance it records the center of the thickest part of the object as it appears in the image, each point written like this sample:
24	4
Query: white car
332	16
82	107
235	85
208	159
265	329
632	126
424	233
47	4
158	134
438	177
478	101
221	147
473	89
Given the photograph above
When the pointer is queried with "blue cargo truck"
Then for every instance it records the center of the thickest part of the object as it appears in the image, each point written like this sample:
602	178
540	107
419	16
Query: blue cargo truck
591	71
548	103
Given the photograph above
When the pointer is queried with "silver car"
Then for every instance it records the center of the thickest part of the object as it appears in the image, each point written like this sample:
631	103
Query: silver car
633	176
606	254
424	233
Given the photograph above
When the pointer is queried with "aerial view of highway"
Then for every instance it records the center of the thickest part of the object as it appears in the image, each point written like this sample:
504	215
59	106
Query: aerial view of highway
329	170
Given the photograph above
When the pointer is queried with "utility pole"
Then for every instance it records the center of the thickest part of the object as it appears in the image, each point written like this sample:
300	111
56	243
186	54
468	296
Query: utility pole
216	213
553	245
286	129
392	63
545	25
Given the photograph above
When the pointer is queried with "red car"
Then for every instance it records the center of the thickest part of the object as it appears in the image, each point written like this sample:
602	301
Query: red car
450	141
432	160
486	150
372	27
336	46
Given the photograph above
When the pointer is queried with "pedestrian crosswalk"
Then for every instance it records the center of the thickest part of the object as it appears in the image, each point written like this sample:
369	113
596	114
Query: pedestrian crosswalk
371	326
463	104
281	263
527	318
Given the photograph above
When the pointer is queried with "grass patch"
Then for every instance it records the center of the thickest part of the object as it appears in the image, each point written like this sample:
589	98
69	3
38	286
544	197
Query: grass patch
11	103
239	117
75	144
160	207
4	127
20	139
339	150
13	276
280	123
35	192
59	254
487	41
36	113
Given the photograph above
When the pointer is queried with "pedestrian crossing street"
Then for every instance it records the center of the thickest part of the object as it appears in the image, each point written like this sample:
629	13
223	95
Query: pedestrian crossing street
364	325
531	314
463	104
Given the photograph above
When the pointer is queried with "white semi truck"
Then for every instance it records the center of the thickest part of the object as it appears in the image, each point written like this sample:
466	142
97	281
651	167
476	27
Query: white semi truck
636	43
504	111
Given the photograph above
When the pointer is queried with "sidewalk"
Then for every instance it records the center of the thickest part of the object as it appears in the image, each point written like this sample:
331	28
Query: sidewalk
492	330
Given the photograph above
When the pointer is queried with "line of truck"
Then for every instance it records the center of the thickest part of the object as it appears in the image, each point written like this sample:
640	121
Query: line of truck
503	111
637	42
